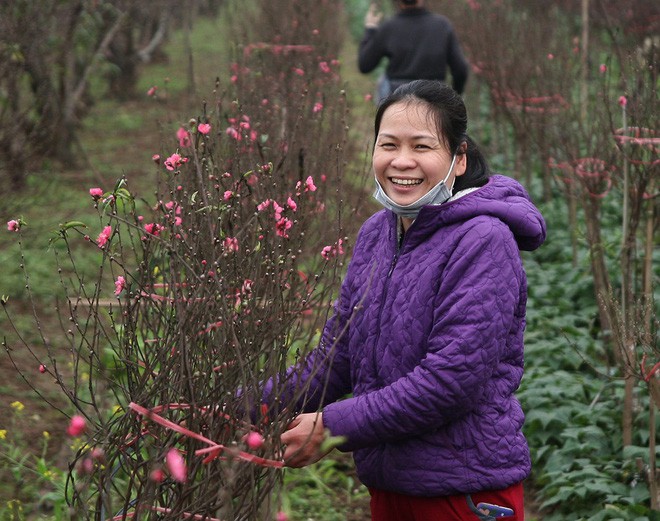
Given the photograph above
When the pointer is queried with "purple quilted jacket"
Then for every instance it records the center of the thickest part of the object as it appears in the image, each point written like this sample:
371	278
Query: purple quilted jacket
427	343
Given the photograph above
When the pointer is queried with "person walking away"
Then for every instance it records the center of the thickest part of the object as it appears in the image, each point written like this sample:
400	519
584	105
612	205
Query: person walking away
416	371
418	44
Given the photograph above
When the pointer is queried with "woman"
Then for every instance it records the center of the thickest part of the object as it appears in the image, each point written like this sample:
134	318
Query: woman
427	333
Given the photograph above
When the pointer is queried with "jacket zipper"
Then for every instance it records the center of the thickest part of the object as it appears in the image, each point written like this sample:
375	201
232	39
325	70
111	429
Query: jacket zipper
395	259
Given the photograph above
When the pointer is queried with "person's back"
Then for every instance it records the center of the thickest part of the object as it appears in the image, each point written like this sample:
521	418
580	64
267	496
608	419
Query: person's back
418	45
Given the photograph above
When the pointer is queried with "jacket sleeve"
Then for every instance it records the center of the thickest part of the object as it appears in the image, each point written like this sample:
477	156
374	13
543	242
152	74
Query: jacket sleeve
457	63
371	50
473	312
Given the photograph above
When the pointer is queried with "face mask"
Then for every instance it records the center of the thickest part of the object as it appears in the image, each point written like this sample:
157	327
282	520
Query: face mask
435	196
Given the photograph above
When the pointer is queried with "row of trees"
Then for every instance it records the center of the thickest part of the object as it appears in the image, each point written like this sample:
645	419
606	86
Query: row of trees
52	55
220	283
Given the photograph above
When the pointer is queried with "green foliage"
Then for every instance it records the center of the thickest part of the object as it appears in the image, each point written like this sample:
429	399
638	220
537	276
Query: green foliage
573	398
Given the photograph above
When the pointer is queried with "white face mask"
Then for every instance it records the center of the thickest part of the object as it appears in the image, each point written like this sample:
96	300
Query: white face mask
434	197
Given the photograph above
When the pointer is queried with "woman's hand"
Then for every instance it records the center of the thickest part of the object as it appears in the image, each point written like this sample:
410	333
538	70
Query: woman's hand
304	439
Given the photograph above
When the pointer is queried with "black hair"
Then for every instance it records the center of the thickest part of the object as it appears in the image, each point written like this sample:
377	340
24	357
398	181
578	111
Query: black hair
450	116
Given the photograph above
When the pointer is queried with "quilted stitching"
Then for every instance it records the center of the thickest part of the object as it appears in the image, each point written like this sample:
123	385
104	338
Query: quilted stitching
434	346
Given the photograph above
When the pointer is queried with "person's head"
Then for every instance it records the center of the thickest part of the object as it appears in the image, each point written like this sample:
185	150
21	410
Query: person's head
421	139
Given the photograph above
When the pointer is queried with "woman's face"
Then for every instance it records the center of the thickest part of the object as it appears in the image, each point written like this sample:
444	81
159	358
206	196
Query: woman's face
409	157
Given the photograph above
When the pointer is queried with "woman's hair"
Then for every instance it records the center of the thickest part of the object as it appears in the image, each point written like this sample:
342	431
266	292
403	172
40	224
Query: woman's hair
448	112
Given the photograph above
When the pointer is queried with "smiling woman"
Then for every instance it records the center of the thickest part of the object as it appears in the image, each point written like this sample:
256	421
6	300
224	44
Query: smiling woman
427	335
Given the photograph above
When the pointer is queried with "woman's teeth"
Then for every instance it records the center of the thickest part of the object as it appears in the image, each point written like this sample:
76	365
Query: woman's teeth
406	182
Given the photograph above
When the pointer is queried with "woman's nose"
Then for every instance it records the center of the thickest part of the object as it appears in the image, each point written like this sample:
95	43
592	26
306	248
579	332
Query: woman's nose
403	160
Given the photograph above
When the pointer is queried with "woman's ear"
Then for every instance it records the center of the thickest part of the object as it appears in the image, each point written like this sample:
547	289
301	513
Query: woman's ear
461	159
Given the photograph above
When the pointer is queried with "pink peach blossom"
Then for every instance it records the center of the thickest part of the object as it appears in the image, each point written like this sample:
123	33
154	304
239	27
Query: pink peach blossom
96	193
152	91
77	426
278	210
104	237
176	465
623	101
120	284
157	475
602	68
309	184
13	225
254	440
183	136
318	107
227	195
230	244
324	67
153	228
175	161
282	226
156	158
204	128
42	368
291	204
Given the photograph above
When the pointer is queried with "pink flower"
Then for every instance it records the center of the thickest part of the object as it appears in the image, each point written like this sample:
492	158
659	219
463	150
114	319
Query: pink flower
42	368
13	225
263	205
309	184
233	133
282	226
183	136
230	244
368	97
332	251
153	228
156	158
204	128
120	284
104	236
291	204
603	68
175	161
157	475
96	193
77	426
281	516
299	71
318	107
176	465
278	210
254	440
152	91
324	67
227	195
551	56
623	101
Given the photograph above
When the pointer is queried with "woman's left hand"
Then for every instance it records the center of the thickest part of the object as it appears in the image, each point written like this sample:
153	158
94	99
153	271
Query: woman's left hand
304	439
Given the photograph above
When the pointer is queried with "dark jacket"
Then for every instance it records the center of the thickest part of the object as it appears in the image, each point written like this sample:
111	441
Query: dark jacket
428	338
419	45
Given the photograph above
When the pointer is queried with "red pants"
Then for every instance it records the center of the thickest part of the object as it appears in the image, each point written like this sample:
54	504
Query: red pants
390	506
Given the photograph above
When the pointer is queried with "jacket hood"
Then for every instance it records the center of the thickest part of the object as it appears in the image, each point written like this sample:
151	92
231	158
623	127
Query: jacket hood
502	197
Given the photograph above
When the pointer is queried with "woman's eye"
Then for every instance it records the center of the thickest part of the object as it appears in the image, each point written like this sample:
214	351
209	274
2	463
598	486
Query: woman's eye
421	146
387	145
